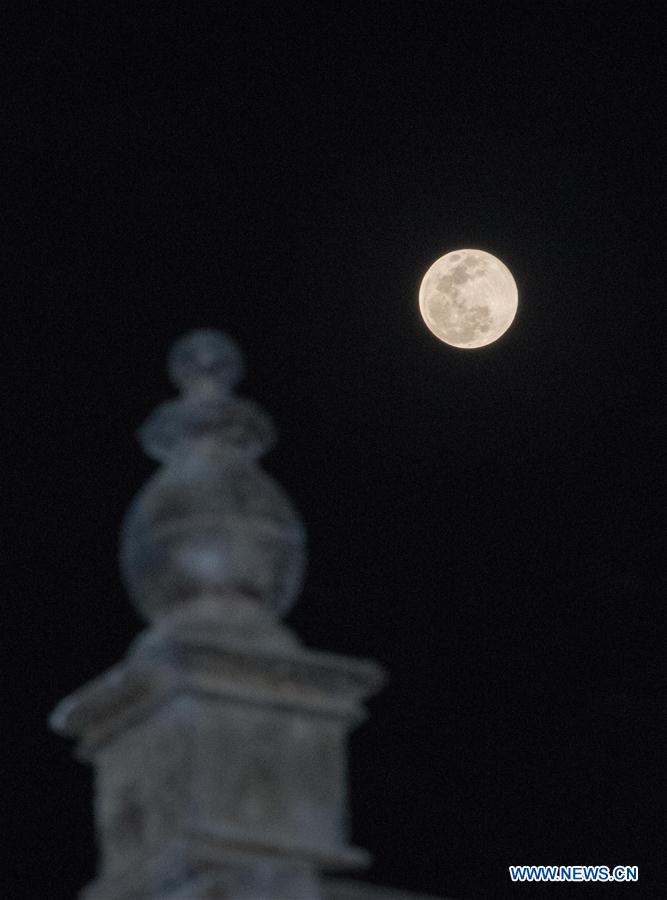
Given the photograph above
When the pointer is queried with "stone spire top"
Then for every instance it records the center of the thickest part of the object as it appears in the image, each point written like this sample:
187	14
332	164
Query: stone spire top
206	365
219	742
210	525
205	360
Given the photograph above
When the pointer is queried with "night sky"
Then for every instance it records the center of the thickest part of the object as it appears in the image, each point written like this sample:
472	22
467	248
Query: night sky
485	523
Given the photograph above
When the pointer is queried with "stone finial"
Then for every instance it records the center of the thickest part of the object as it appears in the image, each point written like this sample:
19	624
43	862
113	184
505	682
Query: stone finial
205	359
219	742
210	524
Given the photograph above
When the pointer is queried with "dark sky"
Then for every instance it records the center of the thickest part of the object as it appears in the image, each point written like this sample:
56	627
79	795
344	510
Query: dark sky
485	523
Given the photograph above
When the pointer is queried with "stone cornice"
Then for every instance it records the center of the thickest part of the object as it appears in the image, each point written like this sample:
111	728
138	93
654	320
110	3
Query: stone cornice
161	667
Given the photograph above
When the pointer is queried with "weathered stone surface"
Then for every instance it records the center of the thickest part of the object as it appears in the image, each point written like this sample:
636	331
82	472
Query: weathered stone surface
219	743
210	736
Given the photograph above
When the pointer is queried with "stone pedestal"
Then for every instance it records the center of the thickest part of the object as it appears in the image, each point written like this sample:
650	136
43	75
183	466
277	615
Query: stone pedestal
219	748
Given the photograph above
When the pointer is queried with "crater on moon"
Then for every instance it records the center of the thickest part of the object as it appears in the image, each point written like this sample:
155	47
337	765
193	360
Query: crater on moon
468	298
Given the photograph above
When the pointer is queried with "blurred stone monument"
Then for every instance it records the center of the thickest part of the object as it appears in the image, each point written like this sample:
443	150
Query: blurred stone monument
219	742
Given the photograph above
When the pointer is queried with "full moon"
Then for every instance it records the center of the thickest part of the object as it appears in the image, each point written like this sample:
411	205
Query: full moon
468	298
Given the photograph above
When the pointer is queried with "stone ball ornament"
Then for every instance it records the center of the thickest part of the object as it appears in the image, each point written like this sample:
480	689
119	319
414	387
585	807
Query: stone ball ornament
205	360
210	524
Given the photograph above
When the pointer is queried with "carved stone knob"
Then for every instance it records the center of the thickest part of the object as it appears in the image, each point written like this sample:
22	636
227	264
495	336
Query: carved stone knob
210	523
